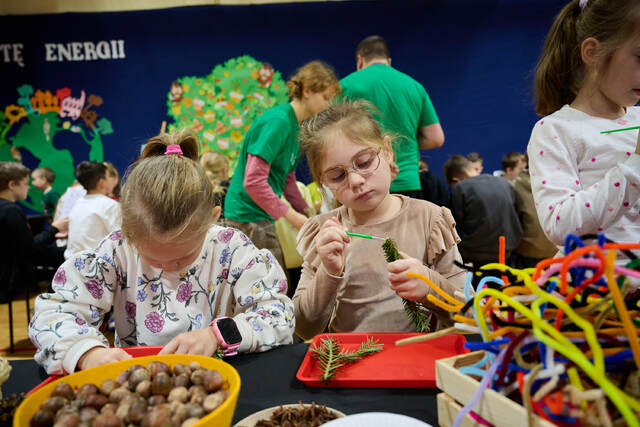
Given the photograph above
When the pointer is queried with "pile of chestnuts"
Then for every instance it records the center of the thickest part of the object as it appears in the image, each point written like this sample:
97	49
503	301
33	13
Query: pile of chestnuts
152	396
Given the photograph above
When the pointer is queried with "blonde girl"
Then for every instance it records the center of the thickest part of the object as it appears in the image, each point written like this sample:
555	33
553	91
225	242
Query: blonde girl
216	166
346	285
113	181
270	155
170	275
588	81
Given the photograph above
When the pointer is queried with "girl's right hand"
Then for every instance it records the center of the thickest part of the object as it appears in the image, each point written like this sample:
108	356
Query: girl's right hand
97	356
331	244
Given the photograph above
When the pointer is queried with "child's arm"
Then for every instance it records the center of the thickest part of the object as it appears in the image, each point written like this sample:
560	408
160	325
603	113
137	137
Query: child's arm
262	310
563	203
65	323
323	249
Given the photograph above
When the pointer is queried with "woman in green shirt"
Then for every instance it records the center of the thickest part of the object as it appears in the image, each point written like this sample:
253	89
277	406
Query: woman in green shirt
270	154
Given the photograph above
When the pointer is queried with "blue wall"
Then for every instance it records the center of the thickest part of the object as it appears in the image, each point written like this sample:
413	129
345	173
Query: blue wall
475	58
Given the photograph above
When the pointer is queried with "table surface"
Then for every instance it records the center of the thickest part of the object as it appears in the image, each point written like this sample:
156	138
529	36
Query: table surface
269	379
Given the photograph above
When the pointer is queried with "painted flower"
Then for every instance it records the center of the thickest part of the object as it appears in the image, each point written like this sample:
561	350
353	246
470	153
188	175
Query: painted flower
244	237
248	300
154	322
225	273
83	331
198	322
107	259
263	313
251	264
225	235
60	278
282	286
184	292
79	263
255	288
154	287
130	308
141	296
117	235
236	273
94	313
256	326
225	256
80	321
95	288
139	281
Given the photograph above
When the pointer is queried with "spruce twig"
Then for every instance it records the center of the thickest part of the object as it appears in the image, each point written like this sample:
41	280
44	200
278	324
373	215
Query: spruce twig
418	314
331	357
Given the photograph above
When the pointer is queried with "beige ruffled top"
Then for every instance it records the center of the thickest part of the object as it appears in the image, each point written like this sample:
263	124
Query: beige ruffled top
361	300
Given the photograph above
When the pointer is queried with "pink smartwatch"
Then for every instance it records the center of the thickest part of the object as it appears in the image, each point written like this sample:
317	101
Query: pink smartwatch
228	335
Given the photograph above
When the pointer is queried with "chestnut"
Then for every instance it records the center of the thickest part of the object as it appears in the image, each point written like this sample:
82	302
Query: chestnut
64	390
179	368
157	417
157	399
194	365
95	401
144	388
161	384
212	380
68	419
87	414
181	394
156	367
137	410
53	404
189	422
42	418
110	408
107	420
118	394
212	401
197	377
194	411
108	386
182	380
137	377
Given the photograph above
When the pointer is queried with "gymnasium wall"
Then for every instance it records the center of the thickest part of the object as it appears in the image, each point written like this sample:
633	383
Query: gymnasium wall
97	85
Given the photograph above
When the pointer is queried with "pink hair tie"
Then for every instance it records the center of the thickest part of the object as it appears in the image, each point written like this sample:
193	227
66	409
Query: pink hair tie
173	149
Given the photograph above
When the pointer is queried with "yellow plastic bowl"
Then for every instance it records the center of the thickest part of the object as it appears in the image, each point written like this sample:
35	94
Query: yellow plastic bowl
221	416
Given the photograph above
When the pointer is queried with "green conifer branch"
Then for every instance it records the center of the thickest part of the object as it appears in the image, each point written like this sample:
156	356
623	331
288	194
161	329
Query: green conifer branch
331	357
415	312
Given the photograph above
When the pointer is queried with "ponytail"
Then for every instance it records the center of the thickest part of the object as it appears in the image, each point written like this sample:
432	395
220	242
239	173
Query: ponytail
316	76
558	70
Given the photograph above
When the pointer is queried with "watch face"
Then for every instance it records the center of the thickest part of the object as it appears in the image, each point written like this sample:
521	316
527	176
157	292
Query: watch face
229	330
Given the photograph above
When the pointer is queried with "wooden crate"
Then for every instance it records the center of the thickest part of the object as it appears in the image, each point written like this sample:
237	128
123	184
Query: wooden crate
492	406
448	410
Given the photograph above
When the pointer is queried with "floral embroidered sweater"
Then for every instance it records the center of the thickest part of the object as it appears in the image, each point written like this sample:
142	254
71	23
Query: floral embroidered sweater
230	277
583	181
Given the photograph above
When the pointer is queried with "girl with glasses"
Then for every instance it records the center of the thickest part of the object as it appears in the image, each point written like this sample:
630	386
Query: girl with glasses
346	284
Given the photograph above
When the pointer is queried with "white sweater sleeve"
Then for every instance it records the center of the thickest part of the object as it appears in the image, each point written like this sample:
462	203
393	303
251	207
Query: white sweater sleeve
564	205
263	312
65	323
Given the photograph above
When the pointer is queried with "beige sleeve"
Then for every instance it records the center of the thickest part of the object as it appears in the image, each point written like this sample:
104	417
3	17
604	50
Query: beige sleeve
315	297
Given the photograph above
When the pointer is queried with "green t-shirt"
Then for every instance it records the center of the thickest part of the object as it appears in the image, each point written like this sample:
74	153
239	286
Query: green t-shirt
404	107
273	136
49	202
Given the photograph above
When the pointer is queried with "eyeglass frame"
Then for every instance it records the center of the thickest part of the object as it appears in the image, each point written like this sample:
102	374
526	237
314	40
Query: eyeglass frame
353	169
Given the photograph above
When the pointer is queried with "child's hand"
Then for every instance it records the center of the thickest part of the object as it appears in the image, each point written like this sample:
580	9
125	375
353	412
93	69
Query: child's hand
62	224
201	341
409	288
97	356
331	244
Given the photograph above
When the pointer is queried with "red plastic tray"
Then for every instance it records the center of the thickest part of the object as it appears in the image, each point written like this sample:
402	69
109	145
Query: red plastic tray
151	350
408	366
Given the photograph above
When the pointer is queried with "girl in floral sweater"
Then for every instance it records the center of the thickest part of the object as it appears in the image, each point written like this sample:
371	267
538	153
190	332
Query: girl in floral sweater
167	274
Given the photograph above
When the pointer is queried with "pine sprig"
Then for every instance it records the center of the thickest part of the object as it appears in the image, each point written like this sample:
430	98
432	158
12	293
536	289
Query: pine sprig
331	357
418	315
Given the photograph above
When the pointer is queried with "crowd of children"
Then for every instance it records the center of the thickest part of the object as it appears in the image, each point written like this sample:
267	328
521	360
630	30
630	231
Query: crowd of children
189	258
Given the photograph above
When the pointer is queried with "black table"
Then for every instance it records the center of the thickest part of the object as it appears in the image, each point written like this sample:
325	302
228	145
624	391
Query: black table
269	379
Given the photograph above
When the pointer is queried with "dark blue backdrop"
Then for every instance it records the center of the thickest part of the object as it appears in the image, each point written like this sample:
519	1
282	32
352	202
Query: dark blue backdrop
475	58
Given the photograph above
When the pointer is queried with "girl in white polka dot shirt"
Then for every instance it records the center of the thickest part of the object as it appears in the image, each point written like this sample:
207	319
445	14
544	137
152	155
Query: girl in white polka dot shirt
588	81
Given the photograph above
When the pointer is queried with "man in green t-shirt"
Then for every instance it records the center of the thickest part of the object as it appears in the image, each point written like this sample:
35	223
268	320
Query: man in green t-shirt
405	110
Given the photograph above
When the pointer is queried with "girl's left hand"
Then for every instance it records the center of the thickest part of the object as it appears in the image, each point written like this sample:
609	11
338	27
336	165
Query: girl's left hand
409	288
201	341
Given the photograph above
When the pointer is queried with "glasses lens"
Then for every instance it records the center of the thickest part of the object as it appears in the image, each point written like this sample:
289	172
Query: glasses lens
366	162
334	176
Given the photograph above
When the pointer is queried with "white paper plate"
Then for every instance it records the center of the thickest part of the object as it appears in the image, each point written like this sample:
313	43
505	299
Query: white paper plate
376	419
265	414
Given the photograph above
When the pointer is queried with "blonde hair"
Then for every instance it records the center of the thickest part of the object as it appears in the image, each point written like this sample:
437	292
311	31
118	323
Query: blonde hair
166	194
353	119
216	167
560	70
316	76
111	169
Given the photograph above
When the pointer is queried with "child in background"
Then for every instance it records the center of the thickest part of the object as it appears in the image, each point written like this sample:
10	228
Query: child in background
484	208
216	166
588	81
346	283
95	215
512	164
433	189
19	250
113	181
270	156
42	178
171	275
476	162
